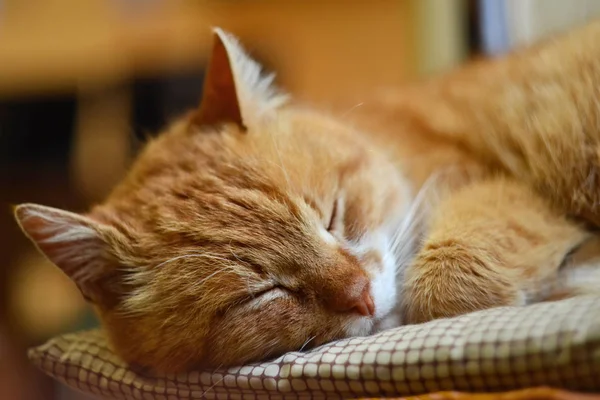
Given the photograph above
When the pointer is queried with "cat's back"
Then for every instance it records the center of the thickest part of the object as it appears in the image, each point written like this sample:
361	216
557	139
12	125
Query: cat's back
405	122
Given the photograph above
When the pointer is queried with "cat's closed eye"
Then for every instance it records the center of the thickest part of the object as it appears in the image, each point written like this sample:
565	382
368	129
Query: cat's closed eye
568	258
263	297
336	220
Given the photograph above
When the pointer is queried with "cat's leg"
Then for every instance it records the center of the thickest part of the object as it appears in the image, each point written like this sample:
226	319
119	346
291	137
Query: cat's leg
534	114
492	243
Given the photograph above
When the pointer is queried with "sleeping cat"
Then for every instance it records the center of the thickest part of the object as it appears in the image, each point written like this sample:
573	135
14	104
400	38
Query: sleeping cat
255	226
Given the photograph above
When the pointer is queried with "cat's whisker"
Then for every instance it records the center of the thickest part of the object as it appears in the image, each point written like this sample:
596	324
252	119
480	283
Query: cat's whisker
404	241
140	301
211	387
197	255
307	342
251	292
405	234
410	233
226	263
231	250
354	107
203	281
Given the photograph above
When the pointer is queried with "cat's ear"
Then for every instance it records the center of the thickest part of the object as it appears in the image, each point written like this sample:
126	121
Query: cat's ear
235	89
72	242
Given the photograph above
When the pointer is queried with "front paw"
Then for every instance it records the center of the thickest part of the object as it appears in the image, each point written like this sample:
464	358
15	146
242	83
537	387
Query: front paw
450	279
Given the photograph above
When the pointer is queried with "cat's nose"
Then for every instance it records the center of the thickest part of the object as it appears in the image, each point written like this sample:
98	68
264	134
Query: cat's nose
355	298
365	305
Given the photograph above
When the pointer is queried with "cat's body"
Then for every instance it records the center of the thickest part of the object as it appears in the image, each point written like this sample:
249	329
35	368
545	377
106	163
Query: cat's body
253	226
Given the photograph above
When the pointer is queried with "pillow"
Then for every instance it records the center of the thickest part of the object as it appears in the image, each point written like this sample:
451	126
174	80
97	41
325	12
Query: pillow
552	344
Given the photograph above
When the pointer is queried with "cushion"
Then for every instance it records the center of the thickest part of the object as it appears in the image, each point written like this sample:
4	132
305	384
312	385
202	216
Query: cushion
549	344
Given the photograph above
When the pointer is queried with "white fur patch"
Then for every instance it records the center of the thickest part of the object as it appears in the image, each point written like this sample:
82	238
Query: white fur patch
327	237
395	243
359	327
383	282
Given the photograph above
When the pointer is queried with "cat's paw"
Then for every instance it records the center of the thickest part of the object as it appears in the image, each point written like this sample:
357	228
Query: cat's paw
451	279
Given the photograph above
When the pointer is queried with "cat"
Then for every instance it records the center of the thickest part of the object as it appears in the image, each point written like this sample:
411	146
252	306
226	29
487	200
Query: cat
255	225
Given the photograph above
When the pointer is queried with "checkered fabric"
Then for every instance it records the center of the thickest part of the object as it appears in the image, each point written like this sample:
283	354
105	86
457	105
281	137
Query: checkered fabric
553	344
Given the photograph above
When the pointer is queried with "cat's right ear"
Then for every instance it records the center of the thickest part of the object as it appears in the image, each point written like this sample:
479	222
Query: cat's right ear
235	88
74	243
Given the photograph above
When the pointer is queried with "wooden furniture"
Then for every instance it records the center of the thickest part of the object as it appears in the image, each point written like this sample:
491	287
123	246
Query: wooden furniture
57	45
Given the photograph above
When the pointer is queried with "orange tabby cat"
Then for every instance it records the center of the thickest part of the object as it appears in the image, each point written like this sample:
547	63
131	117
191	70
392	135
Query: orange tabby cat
255	226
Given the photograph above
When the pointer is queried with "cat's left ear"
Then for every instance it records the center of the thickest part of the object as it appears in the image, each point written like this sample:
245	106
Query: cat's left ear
235	89
80	247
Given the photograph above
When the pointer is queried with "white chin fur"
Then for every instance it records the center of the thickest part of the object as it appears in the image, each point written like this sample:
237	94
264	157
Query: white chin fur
359	327
383	287
384	292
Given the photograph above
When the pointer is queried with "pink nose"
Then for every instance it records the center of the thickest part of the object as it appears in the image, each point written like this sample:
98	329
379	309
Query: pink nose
354	299
364	304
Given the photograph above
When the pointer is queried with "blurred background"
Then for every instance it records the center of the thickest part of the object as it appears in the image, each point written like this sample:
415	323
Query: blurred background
84	82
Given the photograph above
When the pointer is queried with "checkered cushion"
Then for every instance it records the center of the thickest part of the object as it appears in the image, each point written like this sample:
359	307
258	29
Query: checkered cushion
556	344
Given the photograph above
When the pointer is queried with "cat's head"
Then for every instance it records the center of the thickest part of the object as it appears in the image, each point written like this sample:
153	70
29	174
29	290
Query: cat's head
249	228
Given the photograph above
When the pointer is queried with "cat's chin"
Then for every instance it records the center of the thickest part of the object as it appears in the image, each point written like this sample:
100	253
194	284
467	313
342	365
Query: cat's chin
390	321
366	326
360	327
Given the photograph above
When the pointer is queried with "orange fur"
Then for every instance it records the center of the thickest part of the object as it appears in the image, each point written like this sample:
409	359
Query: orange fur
253	226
